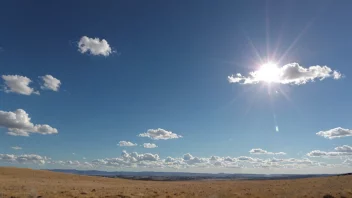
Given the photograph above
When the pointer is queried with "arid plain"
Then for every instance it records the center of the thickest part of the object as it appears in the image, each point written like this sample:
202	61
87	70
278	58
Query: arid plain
23	183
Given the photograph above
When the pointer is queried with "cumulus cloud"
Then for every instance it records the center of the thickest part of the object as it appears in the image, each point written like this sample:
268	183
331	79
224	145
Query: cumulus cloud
318	153
126	159
148	160
188	161
50	83
290	163
335	133
187	156
292	73
19	124
149	145
260	151
126	143
249	159
159	134
169	159
197	160
229	159
18	84
72	164
94	46
16	148
344	150
23	159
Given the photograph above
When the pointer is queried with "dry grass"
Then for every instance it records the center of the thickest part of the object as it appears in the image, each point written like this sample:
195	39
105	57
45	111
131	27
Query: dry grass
16	183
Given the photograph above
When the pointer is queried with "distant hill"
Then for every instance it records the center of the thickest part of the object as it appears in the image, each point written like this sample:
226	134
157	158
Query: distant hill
185	175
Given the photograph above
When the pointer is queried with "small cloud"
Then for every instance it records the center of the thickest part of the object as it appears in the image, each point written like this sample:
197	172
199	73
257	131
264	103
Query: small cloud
187	156
340	151
94	46
259	151
335	133
16	148
50	83
318	153
18	84
73	153
292	73
344	148
160	134
126	143
149	145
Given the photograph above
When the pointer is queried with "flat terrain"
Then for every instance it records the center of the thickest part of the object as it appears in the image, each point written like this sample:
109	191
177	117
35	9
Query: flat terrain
15	182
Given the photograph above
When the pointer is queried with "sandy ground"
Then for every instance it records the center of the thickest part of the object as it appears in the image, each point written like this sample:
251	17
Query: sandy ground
15	183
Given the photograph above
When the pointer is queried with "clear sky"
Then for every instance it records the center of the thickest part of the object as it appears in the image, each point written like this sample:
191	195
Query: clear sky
213	86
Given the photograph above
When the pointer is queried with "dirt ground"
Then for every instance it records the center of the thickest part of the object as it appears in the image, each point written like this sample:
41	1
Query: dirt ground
16	183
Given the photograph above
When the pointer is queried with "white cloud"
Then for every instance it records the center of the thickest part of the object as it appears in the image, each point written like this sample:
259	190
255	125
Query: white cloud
126	143
147	157
290	163
23	159
335	133
149	145
72	164
318	153
344	150
50	82
187	161
292	73
245	158
19	124
187	156
190	161
229	159
94	46
260	151
169	159
159	134
197	160
249	159
18	84
16	148
128	160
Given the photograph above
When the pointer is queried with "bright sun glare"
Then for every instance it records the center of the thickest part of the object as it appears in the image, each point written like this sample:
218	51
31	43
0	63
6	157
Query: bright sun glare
269	72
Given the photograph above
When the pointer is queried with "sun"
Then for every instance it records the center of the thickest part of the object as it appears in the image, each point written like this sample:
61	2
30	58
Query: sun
268	72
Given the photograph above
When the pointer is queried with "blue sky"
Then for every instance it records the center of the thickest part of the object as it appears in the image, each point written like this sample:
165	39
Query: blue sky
118	69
